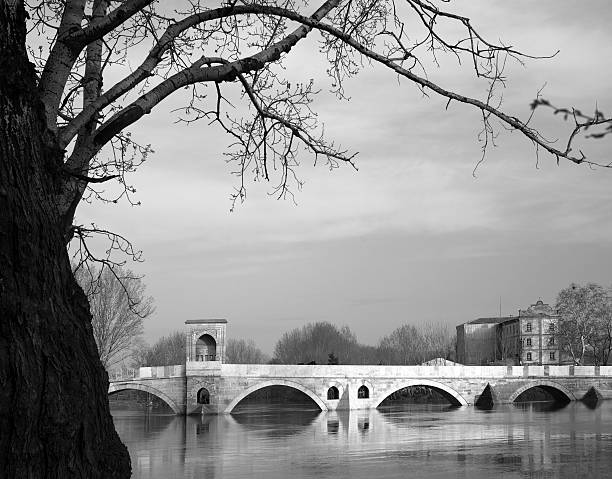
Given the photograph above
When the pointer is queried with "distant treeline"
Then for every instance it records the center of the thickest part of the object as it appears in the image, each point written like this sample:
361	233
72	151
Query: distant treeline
325	343
170	350
166	351
318	343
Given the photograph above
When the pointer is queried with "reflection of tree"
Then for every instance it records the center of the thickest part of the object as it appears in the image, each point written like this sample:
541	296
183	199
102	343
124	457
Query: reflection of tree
541	406
138	427
277	422
411	416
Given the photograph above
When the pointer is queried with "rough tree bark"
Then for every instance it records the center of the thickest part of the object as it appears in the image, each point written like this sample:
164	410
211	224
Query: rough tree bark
54	415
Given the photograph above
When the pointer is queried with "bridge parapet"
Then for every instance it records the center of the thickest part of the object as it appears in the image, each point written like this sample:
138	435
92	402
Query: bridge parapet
162	371
203	368
217	368
123	374
326	371
149	372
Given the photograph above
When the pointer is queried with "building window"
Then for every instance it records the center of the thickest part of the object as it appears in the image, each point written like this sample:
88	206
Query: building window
528	341
552	355
551	341
528	356
551	327
333	393
528	327
363	393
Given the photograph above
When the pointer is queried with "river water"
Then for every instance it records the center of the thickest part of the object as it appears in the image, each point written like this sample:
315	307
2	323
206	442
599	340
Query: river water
419	441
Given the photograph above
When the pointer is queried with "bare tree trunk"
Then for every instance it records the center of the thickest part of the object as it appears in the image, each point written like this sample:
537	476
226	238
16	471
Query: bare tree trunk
583	350
607	344
54	415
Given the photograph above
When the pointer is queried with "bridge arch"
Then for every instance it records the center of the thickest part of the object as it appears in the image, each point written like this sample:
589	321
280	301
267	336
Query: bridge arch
545	384
276	382
421	382
116	387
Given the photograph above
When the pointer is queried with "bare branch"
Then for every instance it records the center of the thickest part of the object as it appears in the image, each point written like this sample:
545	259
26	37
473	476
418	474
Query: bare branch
196	74
230	71
60	62
189	75
89	179
118	306
100	27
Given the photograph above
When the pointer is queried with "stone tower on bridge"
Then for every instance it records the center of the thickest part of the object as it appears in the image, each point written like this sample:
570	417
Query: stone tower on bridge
205	340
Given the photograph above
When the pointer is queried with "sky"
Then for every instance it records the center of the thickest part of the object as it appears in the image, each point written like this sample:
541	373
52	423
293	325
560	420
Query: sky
414	235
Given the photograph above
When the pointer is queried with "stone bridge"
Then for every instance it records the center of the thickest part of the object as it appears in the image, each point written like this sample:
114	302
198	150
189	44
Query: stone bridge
212	387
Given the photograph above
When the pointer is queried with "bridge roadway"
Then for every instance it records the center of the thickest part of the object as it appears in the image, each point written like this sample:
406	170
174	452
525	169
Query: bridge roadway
225	385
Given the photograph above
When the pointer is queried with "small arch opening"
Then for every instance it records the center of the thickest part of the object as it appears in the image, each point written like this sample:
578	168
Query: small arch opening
363	392
203	396
420	394
542	394
206	348
333	393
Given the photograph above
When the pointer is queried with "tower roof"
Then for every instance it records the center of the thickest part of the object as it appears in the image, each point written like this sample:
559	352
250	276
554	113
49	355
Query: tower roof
206	321
540	308
493	320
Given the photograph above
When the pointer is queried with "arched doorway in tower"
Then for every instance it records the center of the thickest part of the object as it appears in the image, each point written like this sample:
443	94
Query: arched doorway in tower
206	348
203	396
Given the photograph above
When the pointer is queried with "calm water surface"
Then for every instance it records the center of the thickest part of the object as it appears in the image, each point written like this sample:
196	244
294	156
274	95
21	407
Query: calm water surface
533	440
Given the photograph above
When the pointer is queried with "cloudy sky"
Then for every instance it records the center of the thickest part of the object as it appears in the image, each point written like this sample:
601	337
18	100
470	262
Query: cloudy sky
411	237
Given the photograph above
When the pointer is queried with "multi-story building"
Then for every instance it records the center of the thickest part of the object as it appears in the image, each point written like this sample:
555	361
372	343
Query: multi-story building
477	340
528	338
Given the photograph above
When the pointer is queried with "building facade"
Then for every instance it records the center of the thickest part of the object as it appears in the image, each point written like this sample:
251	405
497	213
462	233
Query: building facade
528	338
477	341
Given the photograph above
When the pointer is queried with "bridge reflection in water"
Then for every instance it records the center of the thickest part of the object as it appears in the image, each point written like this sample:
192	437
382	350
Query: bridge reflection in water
417	441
